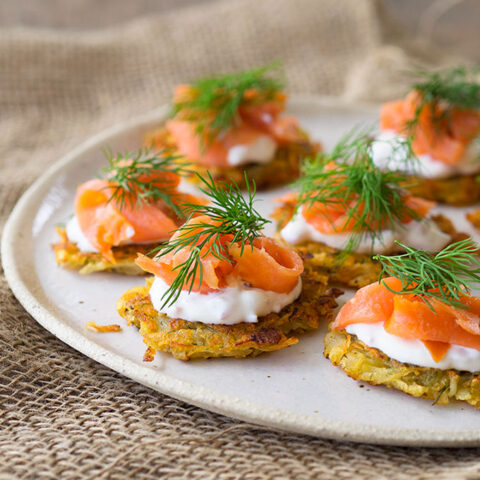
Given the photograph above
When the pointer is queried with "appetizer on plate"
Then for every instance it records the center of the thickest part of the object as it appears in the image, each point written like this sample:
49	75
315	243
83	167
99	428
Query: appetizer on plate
132	209
347	209
441	116
221	289
231	124
417	330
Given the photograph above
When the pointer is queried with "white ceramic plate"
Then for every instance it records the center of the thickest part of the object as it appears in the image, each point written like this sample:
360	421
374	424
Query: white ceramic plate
295	389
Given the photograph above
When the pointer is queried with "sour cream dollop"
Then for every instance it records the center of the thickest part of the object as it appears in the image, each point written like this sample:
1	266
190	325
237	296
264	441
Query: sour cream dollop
414	351
75	235
389	152
228	306
260	151
424	235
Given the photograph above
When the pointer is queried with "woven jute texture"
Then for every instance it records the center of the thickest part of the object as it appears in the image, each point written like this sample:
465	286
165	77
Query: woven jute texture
63	415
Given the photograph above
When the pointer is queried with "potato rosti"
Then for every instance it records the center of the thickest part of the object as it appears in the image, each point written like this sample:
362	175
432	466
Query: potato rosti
368	364
69	256
134	206
420	337
194	340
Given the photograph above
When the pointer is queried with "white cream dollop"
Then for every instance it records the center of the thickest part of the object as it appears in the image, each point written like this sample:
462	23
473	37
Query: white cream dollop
75	235
260	151
414	351
389	152
423	234
228	306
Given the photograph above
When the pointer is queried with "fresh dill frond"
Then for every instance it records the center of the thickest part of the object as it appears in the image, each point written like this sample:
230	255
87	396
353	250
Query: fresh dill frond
131	179
451	88
214	101
372	199
444	276
233	215
457	86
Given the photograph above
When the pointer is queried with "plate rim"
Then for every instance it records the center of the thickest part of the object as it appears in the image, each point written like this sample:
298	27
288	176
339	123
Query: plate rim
200	396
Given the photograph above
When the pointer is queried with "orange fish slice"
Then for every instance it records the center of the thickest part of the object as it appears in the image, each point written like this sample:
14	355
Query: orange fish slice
333	217
409	317
371	304
444	135
107	223
267	265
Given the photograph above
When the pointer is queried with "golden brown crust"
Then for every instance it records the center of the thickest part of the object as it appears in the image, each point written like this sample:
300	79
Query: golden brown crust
69	256
194	340
103	328
354	270
459	191
283	169
361	362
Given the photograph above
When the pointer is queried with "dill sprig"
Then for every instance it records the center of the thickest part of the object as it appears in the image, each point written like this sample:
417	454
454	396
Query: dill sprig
444	276
215	100
347	178
451	88
233	214
131	180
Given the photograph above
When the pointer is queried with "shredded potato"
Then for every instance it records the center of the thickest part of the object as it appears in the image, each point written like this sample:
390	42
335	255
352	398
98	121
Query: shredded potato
104	328
149	354
195	340
368	364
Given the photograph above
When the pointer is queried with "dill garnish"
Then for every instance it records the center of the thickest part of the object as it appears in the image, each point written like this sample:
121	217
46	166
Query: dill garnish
373	200
213	103
444	276
133	177
233	215
450	88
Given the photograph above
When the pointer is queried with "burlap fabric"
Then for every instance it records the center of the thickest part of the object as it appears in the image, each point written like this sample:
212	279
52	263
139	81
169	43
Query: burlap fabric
65	416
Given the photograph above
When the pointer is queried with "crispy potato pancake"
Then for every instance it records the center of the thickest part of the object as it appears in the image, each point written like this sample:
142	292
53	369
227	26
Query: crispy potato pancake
354	270
283	169
458	191
195	340
69	256
361	362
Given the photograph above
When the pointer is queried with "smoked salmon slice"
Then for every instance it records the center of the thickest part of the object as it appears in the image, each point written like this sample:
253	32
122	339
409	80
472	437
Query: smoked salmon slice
392	116
443	134
333	217
464	125
253	120
409	317
106	222
214	269
265	265
199	148
437	349
413	319
371	304
267	118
